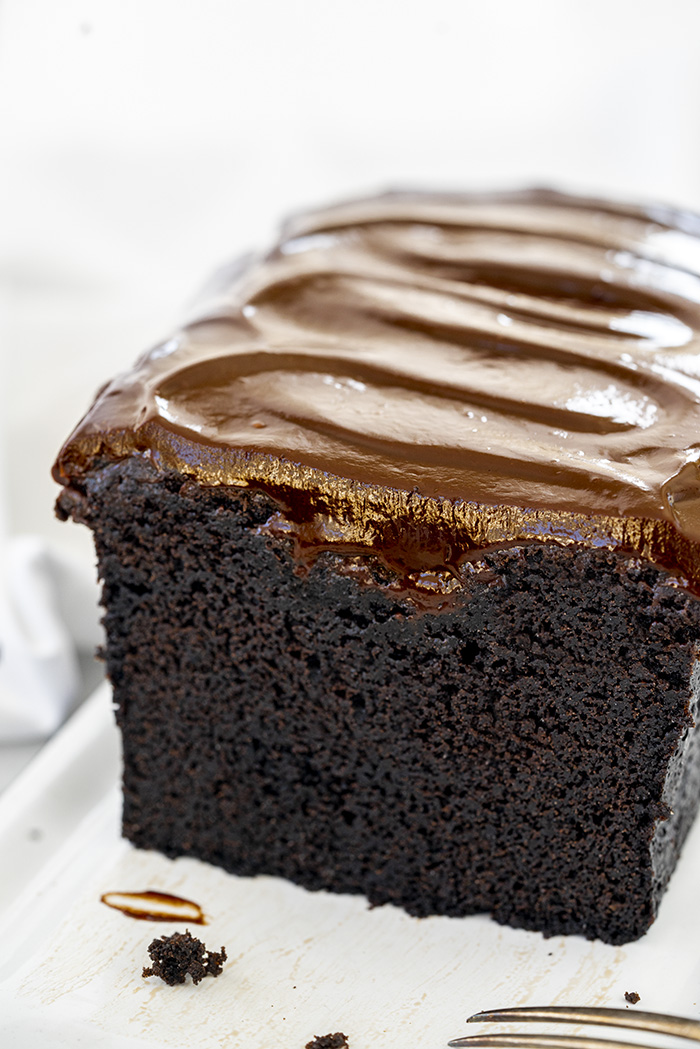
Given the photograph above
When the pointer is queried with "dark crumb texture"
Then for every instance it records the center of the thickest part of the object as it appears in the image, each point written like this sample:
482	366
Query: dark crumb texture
529	752
329	1041
176	956
632	997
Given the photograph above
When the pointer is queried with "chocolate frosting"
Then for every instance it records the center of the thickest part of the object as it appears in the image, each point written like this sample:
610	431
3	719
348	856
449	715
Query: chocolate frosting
426	376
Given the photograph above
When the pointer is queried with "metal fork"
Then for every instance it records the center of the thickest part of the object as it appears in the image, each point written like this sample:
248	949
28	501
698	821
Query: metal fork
640	1021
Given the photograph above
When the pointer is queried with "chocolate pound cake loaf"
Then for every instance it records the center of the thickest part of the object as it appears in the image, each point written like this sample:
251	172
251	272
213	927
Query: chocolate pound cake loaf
399	538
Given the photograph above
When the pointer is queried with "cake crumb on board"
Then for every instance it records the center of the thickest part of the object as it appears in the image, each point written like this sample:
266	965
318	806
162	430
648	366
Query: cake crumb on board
175	956
329	1041
632	997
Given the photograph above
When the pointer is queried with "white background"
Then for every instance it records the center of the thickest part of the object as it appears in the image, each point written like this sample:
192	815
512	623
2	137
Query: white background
145	141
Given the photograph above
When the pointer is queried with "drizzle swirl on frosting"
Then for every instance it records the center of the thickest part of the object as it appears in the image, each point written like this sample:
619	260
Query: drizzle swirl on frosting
452	372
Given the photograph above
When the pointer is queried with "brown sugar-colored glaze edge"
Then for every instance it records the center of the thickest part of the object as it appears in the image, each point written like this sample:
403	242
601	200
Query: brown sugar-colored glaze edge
427	377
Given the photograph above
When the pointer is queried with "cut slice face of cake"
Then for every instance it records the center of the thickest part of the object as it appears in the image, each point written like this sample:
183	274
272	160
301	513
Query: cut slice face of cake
399	538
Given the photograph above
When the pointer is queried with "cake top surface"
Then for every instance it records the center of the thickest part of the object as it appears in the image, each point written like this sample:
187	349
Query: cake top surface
530	351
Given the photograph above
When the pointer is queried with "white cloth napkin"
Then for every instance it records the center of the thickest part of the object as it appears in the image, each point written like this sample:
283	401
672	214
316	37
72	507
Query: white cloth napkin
48	614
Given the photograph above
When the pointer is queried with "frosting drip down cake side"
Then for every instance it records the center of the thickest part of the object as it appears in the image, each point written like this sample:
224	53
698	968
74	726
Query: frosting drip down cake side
400	545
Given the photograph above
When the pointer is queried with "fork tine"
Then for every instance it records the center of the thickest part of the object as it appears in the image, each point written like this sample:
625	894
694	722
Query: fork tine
537	1041
637	1020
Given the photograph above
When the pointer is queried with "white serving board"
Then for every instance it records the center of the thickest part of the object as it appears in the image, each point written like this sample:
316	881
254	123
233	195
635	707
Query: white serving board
300	963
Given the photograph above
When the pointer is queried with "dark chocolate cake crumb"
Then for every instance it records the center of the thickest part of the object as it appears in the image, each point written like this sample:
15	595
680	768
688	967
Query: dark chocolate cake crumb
329	1041
632	997
361	702
175	956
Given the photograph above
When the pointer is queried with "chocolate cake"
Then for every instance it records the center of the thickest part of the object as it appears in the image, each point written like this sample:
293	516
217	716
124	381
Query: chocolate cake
399	538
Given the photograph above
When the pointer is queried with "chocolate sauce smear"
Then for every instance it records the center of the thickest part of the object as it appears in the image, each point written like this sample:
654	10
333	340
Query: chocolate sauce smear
484	369
151	906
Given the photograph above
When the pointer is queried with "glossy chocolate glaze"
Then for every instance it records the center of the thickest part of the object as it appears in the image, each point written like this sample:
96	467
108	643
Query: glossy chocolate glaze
427	376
